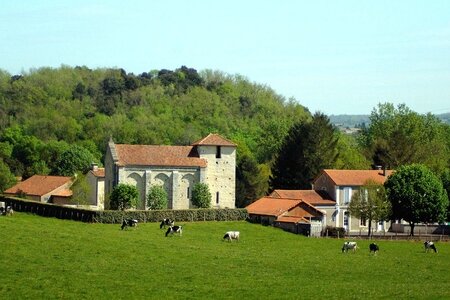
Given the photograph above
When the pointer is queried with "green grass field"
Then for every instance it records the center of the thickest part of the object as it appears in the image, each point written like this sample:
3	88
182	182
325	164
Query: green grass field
46	258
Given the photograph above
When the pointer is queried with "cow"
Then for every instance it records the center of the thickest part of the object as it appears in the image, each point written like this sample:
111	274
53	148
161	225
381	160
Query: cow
430	245
166	222
231	235
374	248
349	246
174	229
8	211
129	223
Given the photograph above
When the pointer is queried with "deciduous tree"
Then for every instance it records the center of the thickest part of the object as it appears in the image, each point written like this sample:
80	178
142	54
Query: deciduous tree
157	198
201	196
369	203
416	195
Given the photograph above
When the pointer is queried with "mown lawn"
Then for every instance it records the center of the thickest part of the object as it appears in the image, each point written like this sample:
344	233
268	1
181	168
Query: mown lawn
45	258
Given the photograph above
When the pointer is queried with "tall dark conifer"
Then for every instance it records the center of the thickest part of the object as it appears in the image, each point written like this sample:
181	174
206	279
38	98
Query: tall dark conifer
308	148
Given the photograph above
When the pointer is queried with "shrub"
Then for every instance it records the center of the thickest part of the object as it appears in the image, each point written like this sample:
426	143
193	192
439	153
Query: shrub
334	231
201	197
124	196
157	197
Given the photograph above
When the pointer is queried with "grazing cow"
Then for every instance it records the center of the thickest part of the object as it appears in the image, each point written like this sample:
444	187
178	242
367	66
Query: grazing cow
129	223
166	222
349	246
429	245
174	229
374	248
231	235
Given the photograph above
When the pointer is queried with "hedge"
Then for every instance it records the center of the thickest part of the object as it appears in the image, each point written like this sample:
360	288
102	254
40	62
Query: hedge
116	216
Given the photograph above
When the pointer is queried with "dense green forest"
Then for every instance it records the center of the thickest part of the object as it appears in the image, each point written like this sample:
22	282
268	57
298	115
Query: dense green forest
59	120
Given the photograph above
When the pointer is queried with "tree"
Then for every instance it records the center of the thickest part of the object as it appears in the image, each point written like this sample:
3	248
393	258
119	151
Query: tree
445	177
369	203
124	196
7	179
399	136
157	198
81	190
416	195
201	196
73	160
308	148
251	181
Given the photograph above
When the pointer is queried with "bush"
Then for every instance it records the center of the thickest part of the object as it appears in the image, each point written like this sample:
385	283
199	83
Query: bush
201	197
124	196
157	197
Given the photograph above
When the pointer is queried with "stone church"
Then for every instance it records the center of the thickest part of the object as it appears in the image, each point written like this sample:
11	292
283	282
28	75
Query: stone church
210	160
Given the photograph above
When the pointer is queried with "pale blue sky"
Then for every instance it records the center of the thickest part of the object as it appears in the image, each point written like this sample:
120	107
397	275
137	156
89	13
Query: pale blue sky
338	57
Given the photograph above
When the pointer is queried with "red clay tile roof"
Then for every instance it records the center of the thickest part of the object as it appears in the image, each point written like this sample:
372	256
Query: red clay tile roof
152	155
356	177
271	206
100	172
311	196
214	140
38	185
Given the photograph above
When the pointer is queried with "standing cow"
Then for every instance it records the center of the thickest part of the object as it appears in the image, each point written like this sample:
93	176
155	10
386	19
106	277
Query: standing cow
430	245
174	229
166	222
129	223
374	248
349	246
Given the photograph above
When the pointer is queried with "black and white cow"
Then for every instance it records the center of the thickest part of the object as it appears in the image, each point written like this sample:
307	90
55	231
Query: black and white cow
7	211
349	246
231	235
174	229
374	248
166	222
430	245
129	223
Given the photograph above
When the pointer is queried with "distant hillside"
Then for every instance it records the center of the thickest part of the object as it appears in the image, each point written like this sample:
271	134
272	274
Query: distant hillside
349	120
356	120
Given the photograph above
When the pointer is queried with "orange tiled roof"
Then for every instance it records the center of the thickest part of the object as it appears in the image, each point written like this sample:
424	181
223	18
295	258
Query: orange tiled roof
214	140
152	155
271	206
100	172
63	193
311	196
38	185
356	177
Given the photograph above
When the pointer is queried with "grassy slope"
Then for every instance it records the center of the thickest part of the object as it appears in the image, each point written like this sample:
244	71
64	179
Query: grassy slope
50	258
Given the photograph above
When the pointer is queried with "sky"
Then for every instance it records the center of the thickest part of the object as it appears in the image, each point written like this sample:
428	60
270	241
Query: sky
336	57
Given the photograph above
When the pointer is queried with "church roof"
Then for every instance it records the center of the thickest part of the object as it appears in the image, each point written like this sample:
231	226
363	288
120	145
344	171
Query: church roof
154	155
214	139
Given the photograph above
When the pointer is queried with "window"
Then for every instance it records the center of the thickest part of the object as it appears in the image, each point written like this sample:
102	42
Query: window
218	152
363	221
217	197
346	218
188	193
347	195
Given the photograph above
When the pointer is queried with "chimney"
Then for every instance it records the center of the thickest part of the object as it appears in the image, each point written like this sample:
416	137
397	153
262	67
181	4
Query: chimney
94	167
384	171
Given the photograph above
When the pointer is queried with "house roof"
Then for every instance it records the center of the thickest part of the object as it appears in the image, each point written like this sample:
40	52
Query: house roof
153	155
355	177
214	139
39	185
311	196
270	206
99	172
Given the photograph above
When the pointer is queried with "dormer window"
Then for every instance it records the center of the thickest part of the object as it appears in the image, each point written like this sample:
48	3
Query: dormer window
218	152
